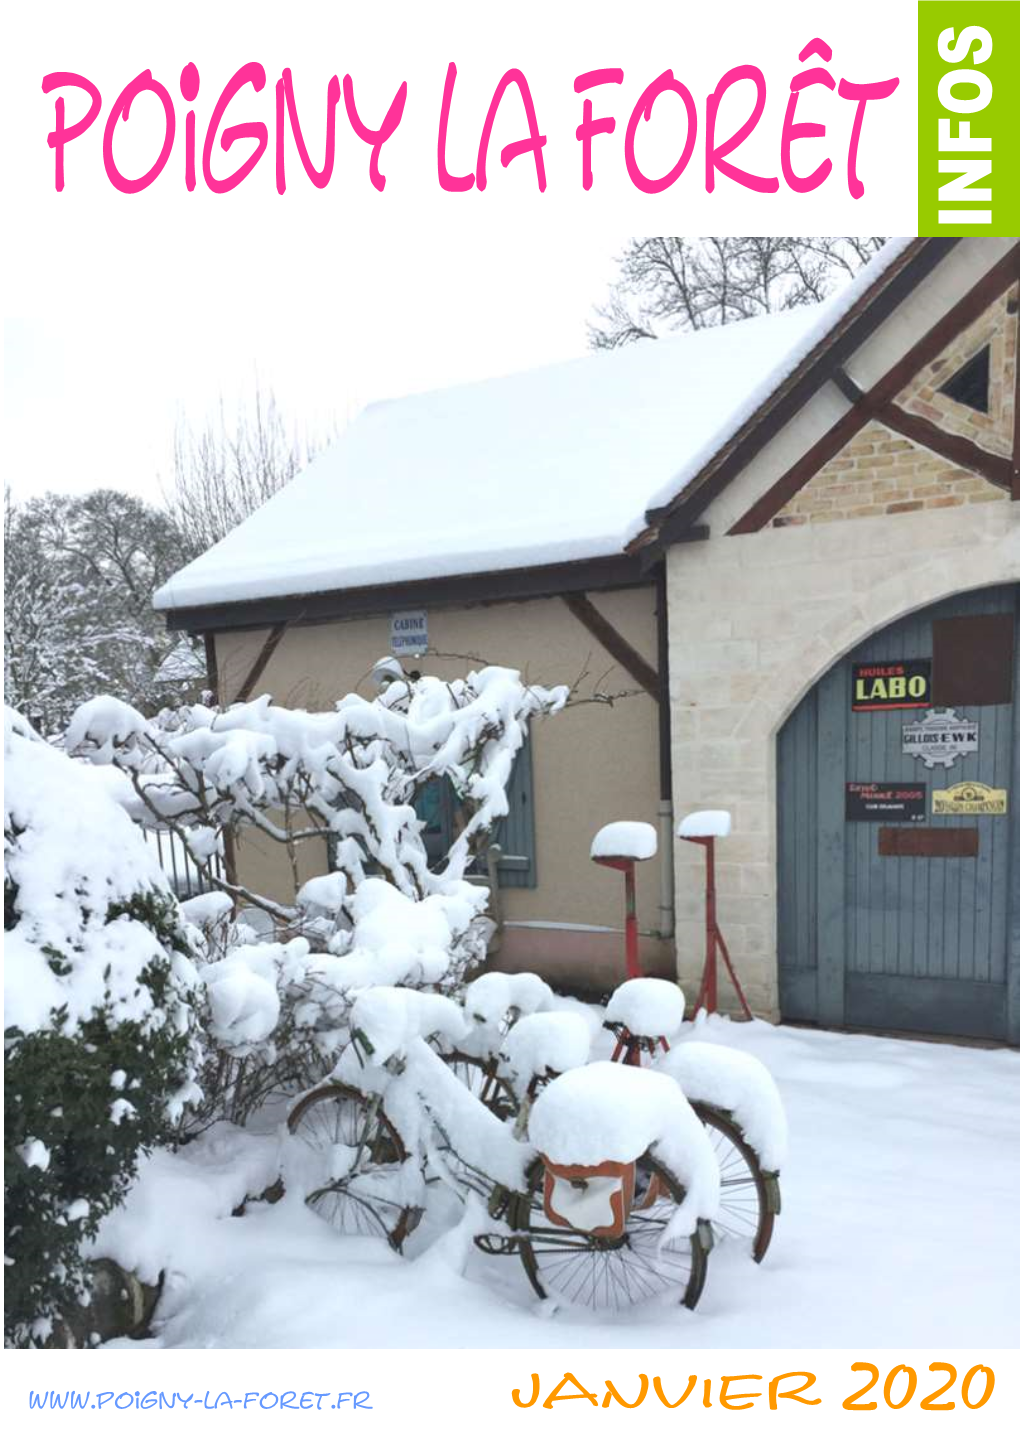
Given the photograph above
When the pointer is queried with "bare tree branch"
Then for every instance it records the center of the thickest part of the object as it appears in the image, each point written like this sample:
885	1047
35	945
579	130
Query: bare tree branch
227	469
669	282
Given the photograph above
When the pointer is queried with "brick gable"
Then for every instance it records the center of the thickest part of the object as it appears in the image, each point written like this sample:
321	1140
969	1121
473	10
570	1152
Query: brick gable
879	472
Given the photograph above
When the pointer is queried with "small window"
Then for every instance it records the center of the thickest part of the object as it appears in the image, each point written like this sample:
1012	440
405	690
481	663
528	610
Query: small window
437	806
969	384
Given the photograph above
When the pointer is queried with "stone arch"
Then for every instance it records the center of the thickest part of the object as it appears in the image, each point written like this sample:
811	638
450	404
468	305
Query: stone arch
896	944
745	647
886	604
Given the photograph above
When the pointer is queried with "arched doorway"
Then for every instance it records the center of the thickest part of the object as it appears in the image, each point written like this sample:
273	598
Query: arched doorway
899	829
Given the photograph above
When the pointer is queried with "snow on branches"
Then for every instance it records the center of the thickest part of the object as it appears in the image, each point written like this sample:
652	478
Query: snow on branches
350	775
101	1004
386	915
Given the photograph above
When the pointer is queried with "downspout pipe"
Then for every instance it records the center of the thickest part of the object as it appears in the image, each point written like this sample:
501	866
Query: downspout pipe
667	915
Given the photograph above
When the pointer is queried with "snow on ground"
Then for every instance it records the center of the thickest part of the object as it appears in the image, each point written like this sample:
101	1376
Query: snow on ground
898	1228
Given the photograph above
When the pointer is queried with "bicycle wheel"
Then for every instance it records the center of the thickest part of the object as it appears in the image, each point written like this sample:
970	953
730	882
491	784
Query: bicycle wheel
360	1153
610	1275
749	1196
480	1077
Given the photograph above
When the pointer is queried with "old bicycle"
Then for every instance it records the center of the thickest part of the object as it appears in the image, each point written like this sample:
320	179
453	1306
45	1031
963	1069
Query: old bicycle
501	1101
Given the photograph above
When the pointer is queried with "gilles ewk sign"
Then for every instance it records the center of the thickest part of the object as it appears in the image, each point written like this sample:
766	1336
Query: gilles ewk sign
891	686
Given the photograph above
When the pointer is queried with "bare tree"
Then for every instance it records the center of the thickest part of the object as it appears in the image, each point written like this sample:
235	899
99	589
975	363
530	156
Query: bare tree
669	282
226	470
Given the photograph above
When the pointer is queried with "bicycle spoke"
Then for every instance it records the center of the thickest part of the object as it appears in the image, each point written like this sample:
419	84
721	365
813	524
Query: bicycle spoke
609	1276
345	1128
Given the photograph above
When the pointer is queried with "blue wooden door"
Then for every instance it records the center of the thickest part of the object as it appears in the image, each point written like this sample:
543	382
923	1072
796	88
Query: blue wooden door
874	931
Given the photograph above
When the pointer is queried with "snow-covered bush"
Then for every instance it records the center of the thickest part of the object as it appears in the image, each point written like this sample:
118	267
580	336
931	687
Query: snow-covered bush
99	1021
278	1011
349	779
350	775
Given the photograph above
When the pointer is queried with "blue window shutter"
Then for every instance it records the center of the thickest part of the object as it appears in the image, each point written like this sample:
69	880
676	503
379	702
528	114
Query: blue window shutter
515	833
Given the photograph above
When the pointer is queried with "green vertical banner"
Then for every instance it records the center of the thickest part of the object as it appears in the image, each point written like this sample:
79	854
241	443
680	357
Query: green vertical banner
968	117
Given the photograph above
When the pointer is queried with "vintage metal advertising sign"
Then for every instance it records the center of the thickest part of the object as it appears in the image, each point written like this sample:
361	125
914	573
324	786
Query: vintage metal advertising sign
886	801
970	799
940	738
891	686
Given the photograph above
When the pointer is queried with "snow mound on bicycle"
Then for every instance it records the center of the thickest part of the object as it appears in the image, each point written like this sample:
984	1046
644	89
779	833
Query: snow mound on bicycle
647	1006
494	994
390	1018
733	1081
544	1043
606	1112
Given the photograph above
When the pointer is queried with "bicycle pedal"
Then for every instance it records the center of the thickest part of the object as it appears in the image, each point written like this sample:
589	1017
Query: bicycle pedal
496	1244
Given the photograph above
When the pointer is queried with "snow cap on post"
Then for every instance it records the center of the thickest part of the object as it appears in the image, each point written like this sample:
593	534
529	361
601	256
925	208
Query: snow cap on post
627	841
705	824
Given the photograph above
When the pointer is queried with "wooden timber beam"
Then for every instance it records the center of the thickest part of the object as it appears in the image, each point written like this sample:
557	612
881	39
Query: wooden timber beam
951	446
257	668
211	670
549	580
675	518
848	387
880	397
615	643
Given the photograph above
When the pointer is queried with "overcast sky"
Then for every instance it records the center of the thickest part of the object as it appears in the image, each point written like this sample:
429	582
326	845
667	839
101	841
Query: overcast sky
124	312
93	393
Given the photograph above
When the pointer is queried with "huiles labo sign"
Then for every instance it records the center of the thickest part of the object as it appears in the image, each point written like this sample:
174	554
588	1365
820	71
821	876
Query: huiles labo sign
891	686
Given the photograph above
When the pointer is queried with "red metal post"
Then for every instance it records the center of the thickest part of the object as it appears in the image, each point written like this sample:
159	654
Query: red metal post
627	865
708	993
711	969
633	963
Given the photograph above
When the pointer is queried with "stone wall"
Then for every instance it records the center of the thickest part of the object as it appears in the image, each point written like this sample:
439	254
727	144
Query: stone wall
993	430
754	622
879	473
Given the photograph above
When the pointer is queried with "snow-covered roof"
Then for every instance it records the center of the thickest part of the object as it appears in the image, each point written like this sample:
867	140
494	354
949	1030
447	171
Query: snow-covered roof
553	465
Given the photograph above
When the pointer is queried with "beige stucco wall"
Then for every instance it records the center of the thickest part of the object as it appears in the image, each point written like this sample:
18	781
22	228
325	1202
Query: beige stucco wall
593	763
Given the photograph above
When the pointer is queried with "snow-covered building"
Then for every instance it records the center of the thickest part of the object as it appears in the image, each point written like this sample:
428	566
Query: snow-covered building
780	560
